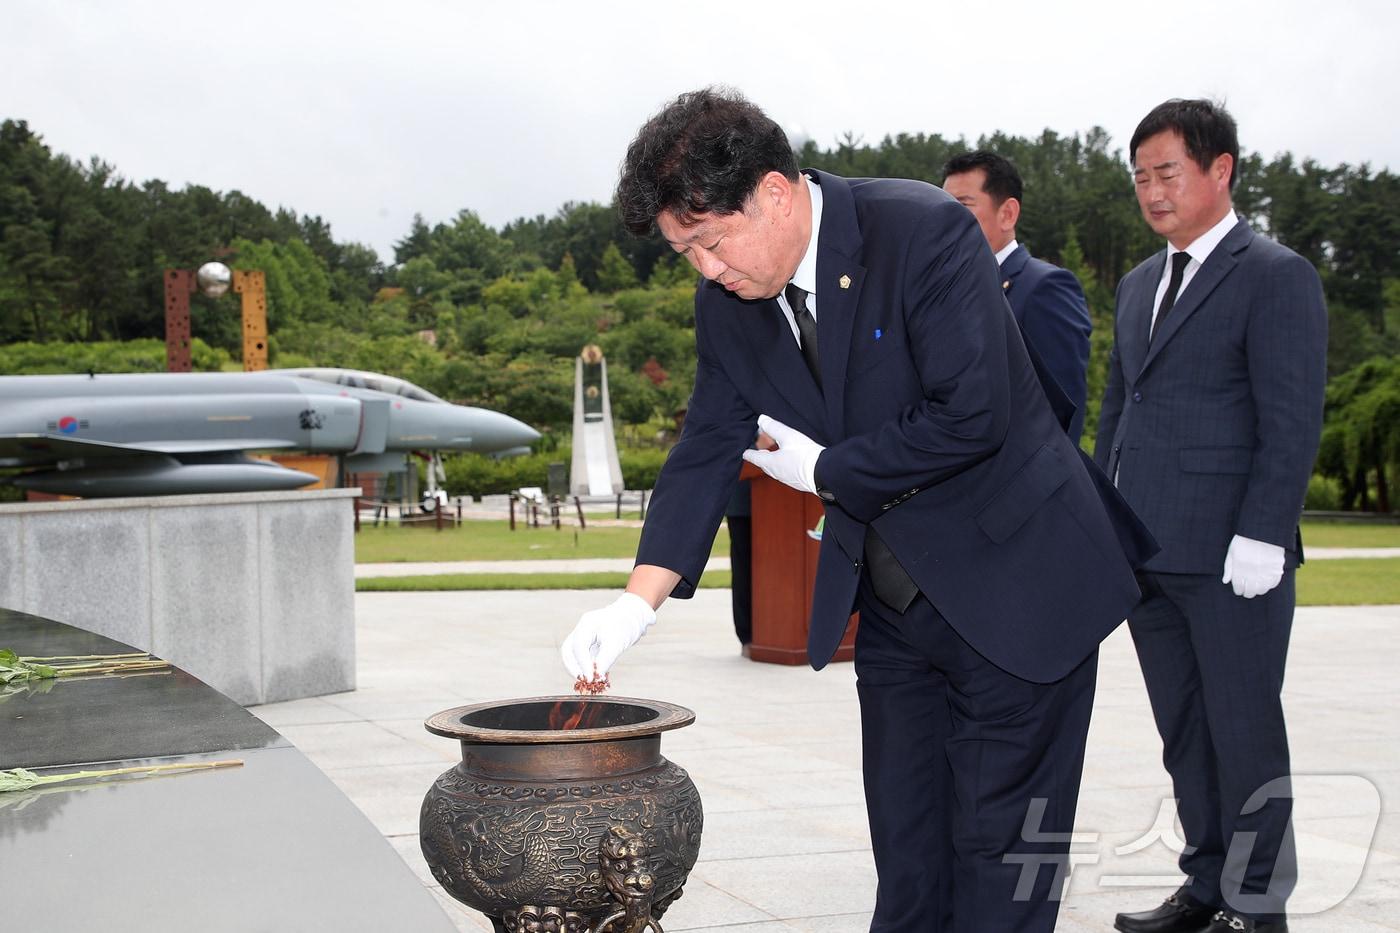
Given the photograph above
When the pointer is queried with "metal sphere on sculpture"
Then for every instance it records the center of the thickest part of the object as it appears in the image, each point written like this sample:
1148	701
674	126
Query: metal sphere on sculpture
213	278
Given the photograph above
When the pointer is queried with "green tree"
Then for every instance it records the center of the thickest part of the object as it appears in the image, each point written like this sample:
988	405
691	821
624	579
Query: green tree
35	279
1100	301
1360	446
298	285
418	242
614	272
1364	242
471	252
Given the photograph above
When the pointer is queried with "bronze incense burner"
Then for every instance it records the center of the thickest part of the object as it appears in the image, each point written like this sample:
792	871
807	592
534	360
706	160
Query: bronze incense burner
562	816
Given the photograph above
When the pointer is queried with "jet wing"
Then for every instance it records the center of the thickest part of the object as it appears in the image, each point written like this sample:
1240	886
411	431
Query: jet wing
28	449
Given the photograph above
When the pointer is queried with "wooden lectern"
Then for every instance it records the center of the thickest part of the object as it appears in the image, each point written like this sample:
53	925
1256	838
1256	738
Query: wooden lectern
784	571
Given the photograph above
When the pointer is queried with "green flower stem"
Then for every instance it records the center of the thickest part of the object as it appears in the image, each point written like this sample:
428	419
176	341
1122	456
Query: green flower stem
89	657
18	779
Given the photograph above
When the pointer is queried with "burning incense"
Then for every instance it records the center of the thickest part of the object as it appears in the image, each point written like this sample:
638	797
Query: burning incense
591	686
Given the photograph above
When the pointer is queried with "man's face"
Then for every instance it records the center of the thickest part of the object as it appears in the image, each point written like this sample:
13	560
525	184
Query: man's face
1179	201
992	217
752	253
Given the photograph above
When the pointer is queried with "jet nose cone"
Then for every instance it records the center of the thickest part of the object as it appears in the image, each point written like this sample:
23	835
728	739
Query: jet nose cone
491	431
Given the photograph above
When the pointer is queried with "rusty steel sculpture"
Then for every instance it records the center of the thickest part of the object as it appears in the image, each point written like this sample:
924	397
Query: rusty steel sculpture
562	816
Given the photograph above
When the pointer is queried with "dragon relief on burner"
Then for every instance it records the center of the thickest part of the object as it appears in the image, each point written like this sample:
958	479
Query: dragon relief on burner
605	848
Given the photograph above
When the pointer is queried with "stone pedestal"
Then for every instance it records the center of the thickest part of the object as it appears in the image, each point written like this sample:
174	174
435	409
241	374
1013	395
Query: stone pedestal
253	593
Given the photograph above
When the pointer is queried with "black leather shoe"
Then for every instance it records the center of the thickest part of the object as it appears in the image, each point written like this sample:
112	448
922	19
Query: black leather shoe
1226	922
1178	914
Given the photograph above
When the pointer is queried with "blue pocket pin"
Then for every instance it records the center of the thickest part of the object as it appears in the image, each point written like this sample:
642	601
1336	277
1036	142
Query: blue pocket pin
879	333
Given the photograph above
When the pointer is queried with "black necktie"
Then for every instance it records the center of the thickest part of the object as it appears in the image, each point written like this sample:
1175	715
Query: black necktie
887	577
1179	261
806	328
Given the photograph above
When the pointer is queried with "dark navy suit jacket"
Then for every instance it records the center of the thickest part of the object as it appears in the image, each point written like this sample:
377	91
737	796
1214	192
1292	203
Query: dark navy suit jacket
1049	304
936	430
1212	426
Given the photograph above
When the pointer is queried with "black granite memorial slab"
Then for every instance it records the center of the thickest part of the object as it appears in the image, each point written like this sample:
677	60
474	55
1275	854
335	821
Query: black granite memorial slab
78	720
271	844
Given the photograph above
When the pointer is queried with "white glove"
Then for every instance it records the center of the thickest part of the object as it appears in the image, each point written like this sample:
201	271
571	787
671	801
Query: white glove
1252	567
794	462
603	634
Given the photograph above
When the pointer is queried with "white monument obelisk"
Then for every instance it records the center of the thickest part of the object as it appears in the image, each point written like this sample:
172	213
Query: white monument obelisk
596	471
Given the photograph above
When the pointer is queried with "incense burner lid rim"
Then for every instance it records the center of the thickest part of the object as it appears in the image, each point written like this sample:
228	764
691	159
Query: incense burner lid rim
449	723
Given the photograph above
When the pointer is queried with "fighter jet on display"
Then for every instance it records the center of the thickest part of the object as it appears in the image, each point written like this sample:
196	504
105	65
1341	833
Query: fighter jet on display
169	433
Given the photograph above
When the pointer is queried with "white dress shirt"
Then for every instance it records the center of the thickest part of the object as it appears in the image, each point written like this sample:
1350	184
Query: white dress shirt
1199	249
1006	251
805	277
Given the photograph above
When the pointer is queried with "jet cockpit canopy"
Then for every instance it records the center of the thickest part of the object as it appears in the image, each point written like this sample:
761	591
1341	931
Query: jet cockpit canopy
359	379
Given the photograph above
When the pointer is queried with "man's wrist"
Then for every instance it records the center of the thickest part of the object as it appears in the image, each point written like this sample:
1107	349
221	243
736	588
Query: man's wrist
652	584
823	493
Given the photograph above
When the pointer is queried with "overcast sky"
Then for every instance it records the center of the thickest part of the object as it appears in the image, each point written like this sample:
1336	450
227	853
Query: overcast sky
368	112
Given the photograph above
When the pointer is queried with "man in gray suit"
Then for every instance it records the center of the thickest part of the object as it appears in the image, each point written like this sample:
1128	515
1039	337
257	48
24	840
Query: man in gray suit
1210	426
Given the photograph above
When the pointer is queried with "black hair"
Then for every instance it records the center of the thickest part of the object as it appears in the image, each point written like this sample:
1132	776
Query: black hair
705	152
1205	127
1002	179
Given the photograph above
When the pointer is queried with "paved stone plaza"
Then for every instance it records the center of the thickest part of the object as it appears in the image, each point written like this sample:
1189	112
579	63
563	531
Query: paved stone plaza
775	752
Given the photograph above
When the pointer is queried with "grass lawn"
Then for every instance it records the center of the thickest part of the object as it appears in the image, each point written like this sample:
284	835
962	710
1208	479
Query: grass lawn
488	540
1350	582
493	540
1354	582
517	581
1349	534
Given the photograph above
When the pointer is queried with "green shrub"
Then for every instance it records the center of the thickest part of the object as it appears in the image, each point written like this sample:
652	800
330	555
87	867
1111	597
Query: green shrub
640	467
1324	494
478	475
113	356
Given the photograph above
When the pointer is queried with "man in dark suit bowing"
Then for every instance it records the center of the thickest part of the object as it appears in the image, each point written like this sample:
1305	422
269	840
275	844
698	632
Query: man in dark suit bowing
1047	301
1210	427
861	324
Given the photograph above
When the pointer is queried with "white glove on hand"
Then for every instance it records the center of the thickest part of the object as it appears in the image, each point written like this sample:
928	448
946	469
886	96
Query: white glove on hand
794	463
603	634
1252	567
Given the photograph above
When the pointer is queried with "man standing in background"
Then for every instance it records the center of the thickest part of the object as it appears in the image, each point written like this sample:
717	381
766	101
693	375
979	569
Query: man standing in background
1210	427
1047	301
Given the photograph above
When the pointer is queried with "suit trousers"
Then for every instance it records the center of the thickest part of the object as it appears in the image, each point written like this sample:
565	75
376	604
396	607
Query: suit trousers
971	776
1213	663
741	575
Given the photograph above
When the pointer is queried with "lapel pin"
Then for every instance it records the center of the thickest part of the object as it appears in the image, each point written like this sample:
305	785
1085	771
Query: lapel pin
845	281
1005	285
879	333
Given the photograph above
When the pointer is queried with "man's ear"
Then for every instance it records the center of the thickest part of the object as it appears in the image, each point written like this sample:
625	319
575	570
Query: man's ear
1008	214
1221	168
775	192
